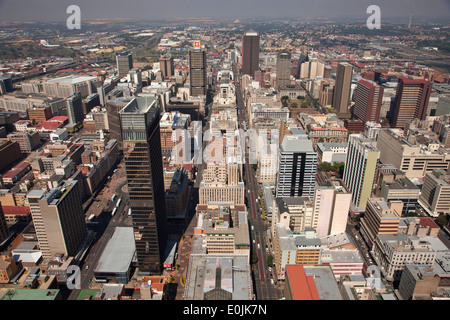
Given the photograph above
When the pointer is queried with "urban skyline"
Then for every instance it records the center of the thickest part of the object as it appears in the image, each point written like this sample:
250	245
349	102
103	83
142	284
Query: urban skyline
47	10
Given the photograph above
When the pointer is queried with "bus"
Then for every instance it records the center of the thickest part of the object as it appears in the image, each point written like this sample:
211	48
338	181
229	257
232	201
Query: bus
113	197
113	212
118	202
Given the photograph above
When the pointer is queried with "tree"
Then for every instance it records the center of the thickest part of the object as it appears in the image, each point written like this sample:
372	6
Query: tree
442	220
270	260
254	257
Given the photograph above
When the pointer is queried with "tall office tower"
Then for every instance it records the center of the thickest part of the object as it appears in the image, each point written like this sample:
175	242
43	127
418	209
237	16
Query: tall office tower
360	167
297	163
74	109
341	98
411	101
331	205
283	69
316	69
3	225
6	84
143	162
368	98
197	72
301	59
166	66
124	61
58	219
250	53
113	107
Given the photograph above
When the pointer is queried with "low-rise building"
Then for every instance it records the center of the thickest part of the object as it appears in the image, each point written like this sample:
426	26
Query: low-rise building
331	152
323	127
393	252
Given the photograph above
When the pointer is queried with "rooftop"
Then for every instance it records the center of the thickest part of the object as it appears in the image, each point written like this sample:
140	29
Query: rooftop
296	143
119	252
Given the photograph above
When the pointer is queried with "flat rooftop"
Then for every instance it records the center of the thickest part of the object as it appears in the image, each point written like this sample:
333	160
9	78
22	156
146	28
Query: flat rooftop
118	253
72	79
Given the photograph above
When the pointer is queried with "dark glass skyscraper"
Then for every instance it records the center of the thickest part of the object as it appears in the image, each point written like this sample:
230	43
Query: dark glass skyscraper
197	72
250	53
124	61
142	153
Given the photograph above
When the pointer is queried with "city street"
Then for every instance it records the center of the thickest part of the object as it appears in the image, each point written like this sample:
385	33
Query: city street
264	290
106	225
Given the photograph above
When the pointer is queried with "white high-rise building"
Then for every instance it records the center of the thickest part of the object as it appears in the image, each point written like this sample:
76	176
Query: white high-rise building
359	170
331	207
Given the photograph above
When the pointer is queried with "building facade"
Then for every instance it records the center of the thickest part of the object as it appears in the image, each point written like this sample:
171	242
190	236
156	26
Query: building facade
143	162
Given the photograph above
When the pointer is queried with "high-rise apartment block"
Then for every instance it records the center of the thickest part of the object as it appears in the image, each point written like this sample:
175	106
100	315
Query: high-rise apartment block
368	98
359	170
250	53
342	89
411	101
58	219
139	121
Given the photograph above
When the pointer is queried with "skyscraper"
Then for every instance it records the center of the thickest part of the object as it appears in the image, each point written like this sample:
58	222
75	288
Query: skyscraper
359	170
143	162
297	163
113	106
301	59
250	53
74	109
283	69
124	61
58	219
411	101
197	72
341	98
368	99
166	66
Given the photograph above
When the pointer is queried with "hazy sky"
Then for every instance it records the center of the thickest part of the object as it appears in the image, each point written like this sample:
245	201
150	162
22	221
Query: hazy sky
55	10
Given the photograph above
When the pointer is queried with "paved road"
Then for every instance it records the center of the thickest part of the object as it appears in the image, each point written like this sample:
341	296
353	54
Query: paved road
106	226
264	290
